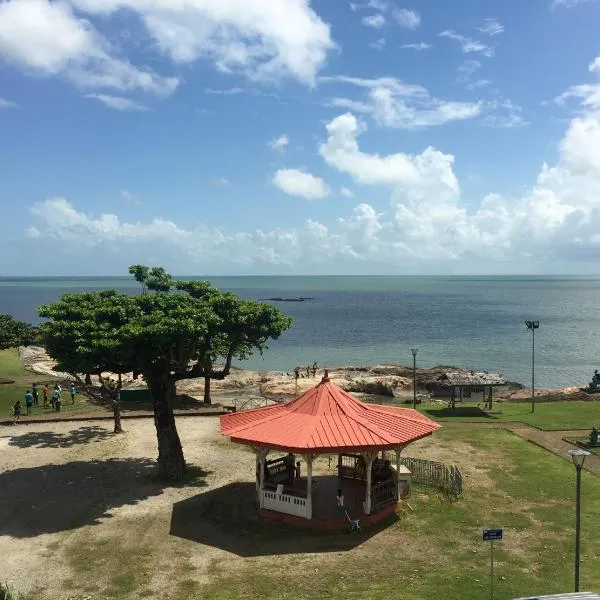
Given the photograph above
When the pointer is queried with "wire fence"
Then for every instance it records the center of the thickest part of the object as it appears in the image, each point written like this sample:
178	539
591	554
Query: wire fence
435	474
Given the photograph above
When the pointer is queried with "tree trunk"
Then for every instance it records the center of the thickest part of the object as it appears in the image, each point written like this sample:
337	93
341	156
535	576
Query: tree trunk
117	412
171	464
207	398
88	379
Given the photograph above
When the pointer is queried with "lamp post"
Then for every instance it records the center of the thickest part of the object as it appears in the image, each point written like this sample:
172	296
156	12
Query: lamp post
578	455
532	325
414	351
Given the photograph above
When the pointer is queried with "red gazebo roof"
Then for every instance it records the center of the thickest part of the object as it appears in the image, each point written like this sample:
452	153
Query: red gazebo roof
326	418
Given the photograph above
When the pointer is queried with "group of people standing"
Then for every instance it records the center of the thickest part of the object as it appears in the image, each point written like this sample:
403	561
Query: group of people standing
298	370
53	399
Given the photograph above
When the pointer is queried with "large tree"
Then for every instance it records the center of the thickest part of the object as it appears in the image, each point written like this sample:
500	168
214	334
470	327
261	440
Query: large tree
15	333
244	326
165	335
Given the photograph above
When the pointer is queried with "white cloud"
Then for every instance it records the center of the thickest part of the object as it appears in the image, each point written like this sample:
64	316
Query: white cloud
227	92
491	27
466	70
588	94
221	182
409	19
375	21
346	192
32	232
131	198
7	104
300	183
417	46
378	44
48	38
426	224
506	115
430	171
567	3
426	228
379	5
394	103
467	44
265	40
280	143
479	83
117	102
595	65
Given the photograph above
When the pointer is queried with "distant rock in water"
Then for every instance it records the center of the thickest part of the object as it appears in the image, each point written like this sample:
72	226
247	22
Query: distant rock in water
300	299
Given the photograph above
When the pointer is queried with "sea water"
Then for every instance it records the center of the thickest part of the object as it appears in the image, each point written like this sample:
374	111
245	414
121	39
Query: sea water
471	322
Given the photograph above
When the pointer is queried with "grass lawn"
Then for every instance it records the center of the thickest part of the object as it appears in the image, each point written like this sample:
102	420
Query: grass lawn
547	415
434	549
11	368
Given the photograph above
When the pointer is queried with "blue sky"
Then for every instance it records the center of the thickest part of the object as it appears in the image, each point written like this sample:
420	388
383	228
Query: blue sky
297	137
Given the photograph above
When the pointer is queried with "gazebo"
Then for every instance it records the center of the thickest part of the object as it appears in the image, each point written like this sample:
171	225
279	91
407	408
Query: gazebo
326	420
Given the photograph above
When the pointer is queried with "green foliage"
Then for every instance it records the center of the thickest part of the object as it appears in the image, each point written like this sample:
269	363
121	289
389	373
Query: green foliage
15	333
152	278
177	334
172	331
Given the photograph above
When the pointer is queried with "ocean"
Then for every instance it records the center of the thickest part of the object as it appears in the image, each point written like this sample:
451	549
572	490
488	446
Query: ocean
471	322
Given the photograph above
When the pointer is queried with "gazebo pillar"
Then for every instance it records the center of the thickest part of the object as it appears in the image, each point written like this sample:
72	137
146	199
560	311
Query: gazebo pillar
398	450
369	458
309	462
261	455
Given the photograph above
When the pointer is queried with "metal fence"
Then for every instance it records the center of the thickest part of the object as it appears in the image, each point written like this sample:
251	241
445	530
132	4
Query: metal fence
429	472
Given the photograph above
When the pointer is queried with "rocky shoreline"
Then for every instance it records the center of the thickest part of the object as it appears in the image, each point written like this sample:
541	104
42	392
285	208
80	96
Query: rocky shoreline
393	381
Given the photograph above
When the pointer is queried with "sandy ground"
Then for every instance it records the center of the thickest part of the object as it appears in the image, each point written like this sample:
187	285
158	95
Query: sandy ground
66	488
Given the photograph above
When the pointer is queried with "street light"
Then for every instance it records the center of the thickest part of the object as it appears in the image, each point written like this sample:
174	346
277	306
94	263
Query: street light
578	455
532	325
414	351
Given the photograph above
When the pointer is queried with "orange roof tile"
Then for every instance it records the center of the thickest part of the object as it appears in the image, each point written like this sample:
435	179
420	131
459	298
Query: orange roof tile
326	418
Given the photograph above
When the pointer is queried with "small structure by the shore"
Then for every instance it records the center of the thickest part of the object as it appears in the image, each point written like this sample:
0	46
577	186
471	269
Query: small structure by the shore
326	420
465	383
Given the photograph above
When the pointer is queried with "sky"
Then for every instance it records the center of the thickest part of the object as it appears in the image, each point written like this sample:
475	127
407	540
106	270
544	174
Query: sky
288	137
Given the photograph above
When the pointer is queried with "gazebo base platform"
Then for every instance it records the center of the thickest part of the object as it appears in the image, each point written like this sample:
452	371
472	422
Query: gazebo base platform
328	524
324	513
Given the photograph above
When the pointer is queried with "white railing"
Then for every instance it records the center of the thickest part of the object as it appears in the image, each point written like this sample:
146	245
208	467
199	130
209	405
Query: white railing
283	503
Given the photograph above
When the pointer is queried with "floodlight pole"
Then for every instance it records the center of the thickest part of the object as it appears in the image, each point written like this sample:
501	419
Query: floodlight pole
532	325
414	353
578	455
577	526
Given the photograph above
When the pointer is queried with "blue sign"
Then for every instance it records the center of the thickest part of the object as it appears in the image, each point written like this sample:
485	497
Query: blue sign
489	535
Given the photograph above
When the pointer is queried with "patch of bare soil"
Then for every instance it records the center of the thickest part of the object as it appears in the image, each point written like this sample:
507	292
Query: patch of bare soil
83	513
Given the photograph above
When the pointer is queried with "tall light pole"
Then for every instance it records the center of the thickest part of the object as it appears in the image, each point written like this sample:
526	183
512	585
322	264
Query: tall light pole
578	455
532	325
414	351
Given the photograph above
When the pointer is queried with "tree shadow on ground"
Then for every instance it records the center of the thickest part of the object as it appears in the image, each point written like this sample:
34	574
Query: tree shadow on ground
461	411
227	518
54	498
51	439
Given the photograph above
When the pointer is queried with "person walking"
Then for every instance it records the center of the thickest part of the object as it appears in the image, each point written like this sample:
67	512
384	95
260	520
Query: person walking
55	397
73	391
45	394
16	412
28	401
35	394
